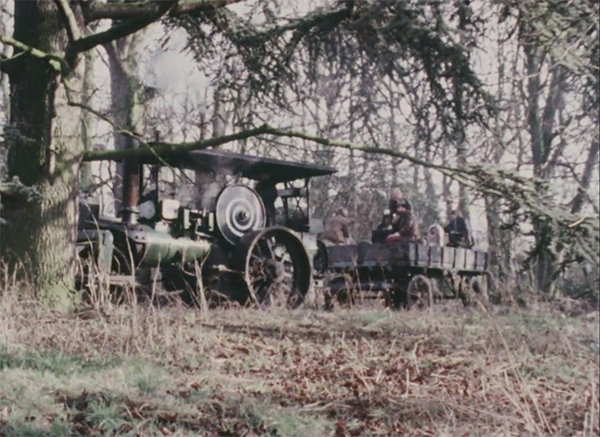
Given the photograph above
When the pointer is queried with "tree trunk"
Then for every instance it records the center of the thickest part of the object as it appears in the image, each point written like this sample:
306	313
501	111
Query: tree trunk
462	108
433	214
586	179
500	241
4	85
541	124
87	120
127	98
40	236
446	187
208	183
464	199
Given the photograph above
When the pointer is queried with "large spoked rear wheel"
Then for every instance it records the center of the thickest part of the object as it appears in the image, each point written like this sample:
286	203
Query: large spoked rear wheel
274	268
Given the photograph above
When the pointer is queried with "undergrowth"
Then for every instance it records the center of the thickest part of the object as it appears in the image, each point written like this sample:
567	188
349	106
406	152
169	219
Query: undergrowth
138	370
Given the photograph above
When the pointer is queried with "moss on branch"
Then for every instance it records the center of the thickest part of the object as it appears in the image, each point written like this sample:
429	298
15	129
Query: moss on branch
57	62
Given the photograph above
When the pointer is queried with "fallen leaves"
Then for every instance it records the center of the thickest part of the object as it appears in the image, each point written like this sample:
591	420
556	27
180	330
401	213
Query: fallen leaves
346	374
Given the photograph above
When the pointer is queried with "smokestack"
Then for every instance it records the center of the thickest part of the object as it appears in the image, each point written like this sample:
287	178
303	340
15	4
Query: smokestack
131	185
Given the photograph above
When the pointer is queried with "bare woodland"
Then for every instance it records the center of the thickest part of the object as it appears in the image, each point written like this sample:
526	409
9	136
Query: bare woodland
490	107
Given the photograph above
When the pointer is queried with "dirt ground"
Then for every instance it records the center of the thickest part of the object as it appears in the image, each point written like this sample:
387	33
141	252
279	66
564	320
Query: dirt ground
446	371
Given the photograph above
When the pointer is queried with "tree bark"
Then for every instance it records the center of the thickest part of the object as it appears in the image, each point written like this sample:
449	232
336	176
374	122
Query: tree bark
500	241
40	236
127	98
87	120
4	85
462	107
541	123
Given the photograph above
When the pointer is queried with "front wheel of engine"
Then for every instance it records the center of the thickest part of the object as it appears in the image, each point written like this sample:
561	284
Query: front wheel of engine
273	267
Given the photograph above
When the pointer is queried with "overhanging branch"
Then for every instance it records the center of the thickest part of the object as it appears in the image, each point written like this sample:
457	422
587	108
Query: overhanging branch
125	28
521	193
124	11
472	176
57	62
165	148
262	130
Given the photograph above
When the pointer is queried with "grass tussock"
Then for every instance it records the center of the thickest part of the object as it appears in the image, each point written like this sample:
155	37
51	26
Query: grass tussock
141	371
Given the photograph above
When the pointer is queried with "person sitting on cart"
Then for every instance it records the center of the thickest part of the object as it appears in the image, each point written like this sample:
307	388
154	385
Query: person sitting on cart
390	217
336	229
266	188
405	227
458	231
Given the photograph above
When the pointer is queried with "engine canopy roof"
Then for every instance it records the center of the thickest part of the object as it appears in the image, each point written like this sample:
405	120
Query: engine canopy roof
248	166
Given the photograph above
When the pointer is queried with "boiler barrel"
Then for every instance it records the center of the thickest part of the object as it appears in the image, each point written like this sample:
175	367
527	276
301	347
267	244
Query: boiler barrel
162	248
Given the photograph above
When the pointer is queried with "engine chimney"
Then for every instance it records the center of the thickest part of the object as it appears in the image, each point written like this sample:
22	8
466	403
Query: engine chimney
131	184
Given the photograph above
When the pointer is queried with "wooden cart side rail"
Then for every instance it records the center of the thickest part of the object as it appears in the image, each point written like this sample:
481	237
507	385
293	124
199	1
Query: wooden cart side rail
409	255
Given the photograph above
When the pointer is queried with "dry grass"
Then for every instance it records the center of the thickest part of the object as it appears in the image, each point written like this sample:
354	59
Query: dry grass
180	372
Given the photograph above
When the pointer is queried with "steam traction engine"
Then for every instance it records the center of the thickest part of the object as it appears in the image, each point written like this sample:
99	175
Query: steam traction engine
222	245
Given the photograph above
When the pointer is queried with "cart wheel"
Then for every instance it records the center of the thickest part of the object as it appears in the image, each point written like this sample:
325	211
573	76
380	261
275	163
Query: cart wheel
480	286
473	290
274	266
397	298
345	292
420	292
438	296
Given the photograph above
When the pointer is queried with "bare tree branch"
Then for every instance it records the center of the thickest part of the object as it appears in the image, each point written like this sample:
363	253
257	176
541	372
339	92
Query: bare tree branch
57	62
125	28
123	11
578	201
164	148
71	22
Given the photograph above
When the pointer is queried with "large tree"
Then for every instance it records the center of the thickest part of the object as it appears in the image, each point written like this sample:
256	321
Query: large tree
46	78
45	148
369	40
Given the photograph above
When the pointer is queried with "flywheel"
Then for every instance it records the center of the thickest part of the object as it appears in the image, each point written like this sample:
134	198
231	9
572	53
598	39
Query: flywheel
239	210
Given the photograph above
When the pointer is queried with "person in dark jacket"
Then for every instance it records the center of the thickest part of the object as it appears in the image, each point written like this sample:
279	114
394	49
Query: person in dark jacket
390	216
404	225
458	231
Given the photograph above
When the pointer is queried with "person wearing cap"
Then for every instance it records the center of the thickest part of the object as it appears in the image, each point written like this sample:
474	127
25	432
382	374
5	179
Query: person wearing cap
336	228
458	231
395	197
390	216
404	226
